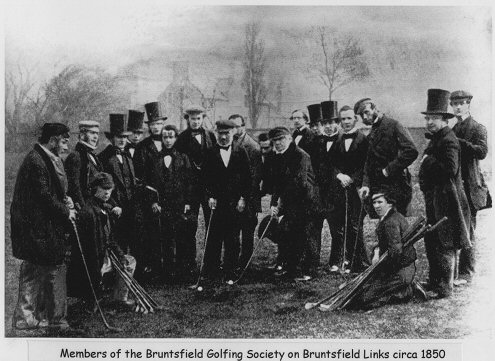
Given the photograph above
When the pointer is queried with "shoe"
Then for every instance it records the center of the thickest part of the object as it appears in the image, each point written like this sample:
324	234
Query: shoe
334	269
303	278
460	282
280	273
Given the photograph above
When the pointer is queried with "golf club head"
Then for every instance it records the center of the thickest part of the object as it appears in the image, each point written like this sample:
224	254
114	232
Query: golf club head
324	308
309	305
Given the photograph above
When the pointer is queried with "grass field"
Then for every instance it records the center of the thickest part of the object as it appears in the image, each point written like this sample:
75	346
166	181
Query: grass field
263	307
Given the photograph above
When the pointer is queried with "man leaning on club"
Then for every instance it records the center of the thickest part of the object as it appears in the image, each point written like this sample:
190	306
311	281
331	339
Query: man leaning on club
40	215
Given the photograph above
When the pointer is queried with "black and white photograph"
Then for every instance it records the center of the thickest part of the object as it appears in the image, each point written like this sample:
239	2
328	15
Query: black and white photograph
202	171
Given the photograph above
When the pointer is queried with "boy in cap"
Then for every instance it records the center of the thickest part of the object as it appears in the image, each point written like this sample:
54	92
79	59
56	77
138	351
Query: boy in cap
40	213
135	126
391	151
441	183
228	185
173	177
82	164
295	197
96	238
472	137
118	164
394	282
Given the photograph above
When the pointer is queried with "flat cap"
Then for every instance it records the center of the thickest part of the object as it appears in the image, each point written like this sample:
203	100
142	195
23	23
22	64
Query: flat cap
195	109
103	180
225	124
54	129
278	132
88	124
360	104
386	193
461	94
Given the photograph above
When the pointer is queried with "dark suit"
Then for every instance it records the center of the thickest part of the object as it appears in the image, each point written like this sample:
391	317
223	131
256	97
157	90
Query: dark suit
350	162
392	281
296	192
227	185
130	149
175	186
392	148
122	195
39	235
81	166
266	183
441	183
473	140
249	222
307	140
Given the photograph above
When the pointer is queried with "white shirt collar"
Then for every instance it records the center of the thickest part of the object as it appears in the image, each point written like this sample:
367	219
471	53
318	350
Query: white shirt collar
87	145
353	130
49	153
282	152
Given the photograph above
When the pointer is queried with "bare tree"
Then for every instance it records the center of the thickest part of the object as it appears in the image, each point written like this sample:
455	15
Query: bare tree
337	59
18	85
254	71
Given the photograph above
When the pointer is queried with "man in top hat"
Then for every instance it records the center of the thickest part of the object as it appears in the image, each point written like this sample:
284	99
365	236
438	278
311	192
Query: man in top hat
295	200
472	137
195	142
135	126
249	219
173	177
391	151
118	164
324	160
350	155
441	183
39	216
228	186
152	145
82	163
314	111
302	136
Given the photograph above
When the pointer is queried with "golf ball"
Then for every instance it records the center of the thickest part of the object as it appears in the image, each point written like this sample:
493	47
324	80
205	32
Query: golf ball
230	282
200	289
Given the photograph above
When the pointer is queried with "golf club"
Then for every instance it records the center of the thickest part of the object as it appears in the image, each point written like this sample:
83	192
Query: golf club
196	286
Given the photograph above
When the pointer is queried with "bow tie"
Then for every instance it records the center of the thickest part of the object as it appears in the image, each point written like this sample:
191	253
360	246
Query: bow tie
166	152
298	132
156	137
349	135
118	151
131	145
332	138
196	132
428	135
224	148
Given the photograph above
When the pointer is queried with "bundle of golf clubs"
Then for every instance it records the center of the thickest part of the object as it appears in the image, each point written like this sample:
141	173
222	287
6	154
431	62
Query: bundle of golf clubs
349	290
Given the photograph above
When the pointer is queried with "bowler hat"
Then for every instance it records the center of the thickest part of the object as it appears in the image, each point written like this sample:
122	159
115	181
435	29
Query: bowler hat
329	110
135	121
103	180
153	112
461	94
314	111
278	132
53	130
117	126
272	232
225	124
438	103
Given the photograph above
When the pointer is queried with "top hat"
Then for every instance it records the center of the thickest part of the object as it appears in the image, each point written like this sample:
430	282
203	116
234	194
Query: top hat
314	111
461	94
53	130
153	112
117	126
329	110
135	121
438	103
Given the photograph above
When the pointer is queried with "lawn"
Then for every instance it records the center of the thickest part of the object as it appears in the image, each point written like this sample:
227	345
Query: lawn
264	307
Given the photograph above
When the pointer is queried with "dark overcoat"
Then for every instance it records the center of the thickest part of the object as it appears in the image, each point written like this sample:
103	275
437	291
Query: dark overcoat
187	143
472	137
267	173
294	183
392	148
144	154
351	162
441	182
254	157
324	162
38	214
80	172
307	142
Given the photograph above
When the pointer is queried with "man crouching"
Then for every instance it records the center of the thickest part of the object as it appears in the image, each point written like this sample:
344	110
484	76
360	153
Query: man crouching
97	242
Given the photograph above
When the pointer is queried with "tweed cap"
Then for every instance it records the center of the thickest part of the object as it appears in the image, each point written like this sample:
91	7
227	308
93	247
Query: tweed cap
461	94
225	124
278	132
103	180
84	124
385	193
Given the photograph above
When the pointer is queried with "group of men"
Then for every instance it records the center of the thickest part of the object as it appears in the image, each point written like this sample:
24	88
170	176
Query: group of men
140	198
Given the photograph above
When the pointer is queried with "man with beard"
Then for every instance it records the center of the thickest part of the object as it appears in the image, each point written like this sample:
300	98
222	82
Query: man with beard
441	183
303	136
82	164
135	126
295	203
118	164
228	186
172	175
249	218
472	138
391	150
350	155
39	216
